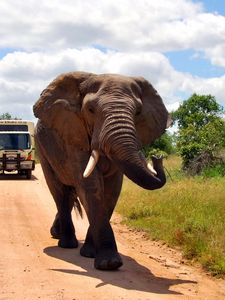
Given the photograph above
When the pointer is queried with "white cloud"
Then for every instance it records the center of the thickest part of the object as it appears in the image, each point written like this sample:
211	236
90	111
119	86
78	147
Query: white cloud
214	86
217	55
25	75
53	36
125	25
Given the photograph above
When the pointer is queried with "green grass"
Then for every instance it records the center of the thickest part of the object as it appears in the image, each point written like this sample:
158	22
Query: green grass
187	212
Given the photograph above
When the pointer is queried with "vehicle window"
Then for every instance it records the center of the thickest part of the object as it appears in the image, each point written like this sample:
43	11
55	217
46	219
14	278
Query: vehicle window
14	141
12	127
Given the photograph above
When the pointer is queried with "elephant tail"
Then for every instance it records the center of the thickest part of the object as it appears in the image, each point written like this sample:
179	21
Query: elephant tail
77	207
76	202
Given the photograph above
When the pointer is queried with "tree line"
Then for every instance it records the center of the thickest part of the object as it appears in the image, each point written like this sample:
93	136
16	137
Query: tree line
8	116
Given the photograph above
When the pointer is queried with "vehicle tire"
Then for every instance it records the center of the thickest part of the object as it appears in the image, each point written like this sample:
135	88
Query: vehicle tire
28	174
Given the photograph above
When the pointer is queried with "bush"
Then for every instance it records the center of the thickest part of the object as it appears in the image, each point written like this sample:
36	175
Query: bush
163	146
215	171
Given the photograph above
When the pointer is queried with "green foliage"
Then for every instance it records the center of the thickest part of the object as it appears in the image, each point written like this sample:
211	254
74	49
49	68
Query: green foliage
7	116
198	110
218	170
187	213
201	131
161	147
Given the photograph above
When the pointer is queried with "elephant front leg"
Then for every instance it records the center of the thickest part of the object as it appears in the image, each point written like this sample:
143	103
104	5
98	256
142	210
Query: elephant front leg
88	248
100	244
103	249
100	241
107	256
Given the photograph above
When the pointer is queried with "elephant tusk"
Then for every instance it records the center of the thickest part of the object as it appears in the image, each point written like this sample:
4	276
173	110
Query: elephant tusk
91	163
151	169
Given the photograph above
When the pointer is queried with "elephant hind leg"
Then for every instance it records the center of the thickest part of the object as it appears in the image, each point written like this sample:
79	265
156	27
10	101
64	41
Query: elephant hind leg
65	197
55	229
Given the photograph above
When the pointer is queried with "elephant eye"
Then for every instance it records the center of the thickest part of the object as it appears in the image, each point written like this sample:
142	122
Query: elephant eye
91	110
89	103
91	107
138	112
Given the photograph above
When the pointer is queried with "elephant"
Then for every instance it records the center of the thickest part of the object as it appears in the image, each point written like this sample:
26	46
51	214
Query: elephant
90	133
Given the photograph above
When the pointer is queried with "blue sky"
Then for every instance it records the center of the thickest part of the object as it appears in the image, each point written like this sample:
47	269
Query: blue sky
177	45
214	6
194	62
5	51
186	61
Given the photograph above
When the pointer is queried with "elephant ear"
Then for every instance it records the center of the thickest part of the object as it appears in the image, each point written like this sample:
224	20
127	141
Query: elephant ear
59	108
154	117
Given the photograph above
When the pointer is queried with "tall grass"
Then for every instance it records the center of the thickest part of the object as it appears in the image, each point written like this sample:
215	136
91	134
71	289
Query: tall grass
187	212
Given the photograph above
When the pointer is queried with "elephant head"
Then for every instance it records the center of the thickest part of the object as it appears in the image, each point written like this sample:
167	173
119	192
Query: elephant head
110	115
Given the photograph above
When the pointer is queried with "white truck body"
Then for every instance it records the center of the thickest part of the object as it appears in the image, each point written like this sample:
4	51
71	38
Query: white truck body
17	146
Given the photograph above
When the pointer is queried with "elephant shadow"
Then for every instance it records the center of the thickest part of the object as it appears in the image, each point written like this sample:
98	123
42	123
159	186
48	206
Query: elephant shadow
125	278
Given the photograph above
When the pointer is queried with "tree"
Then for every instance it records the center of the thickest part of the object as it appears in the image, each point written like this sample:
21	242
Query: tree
7	116
201	133
198	110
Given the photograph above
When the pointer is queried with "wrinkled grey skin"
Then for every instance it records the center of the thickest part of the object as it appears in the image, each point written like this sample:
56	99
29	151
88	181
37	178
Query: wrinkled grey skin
79	112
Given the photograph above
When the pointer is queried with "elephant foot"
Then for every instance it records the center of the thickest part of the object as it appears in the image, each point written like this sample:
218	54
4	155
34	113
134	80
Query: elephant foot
55	232
108	260
66	242
88	250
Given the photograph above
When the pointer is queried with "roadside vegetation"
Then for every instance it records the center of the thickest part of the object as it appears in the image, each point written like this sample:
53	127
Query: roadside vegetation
189	211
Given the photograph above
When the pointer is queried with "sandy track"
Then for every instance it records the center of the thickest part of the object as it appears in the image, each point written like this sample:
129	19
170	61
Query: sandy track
33	267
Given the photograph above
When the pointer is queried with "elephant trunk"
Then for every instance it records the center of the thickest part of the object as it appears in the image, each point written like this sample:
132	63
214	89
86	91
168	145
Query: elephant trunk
136	170
119	142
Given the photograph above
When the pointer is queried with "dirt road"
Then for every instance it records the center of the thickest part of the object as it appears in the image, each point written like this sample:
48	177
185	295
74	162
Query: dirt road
33	267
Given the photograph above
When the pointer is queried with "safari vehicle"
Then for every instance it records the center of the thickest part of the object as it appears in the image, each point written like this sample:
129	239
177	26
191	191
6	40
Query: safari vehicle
17	147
